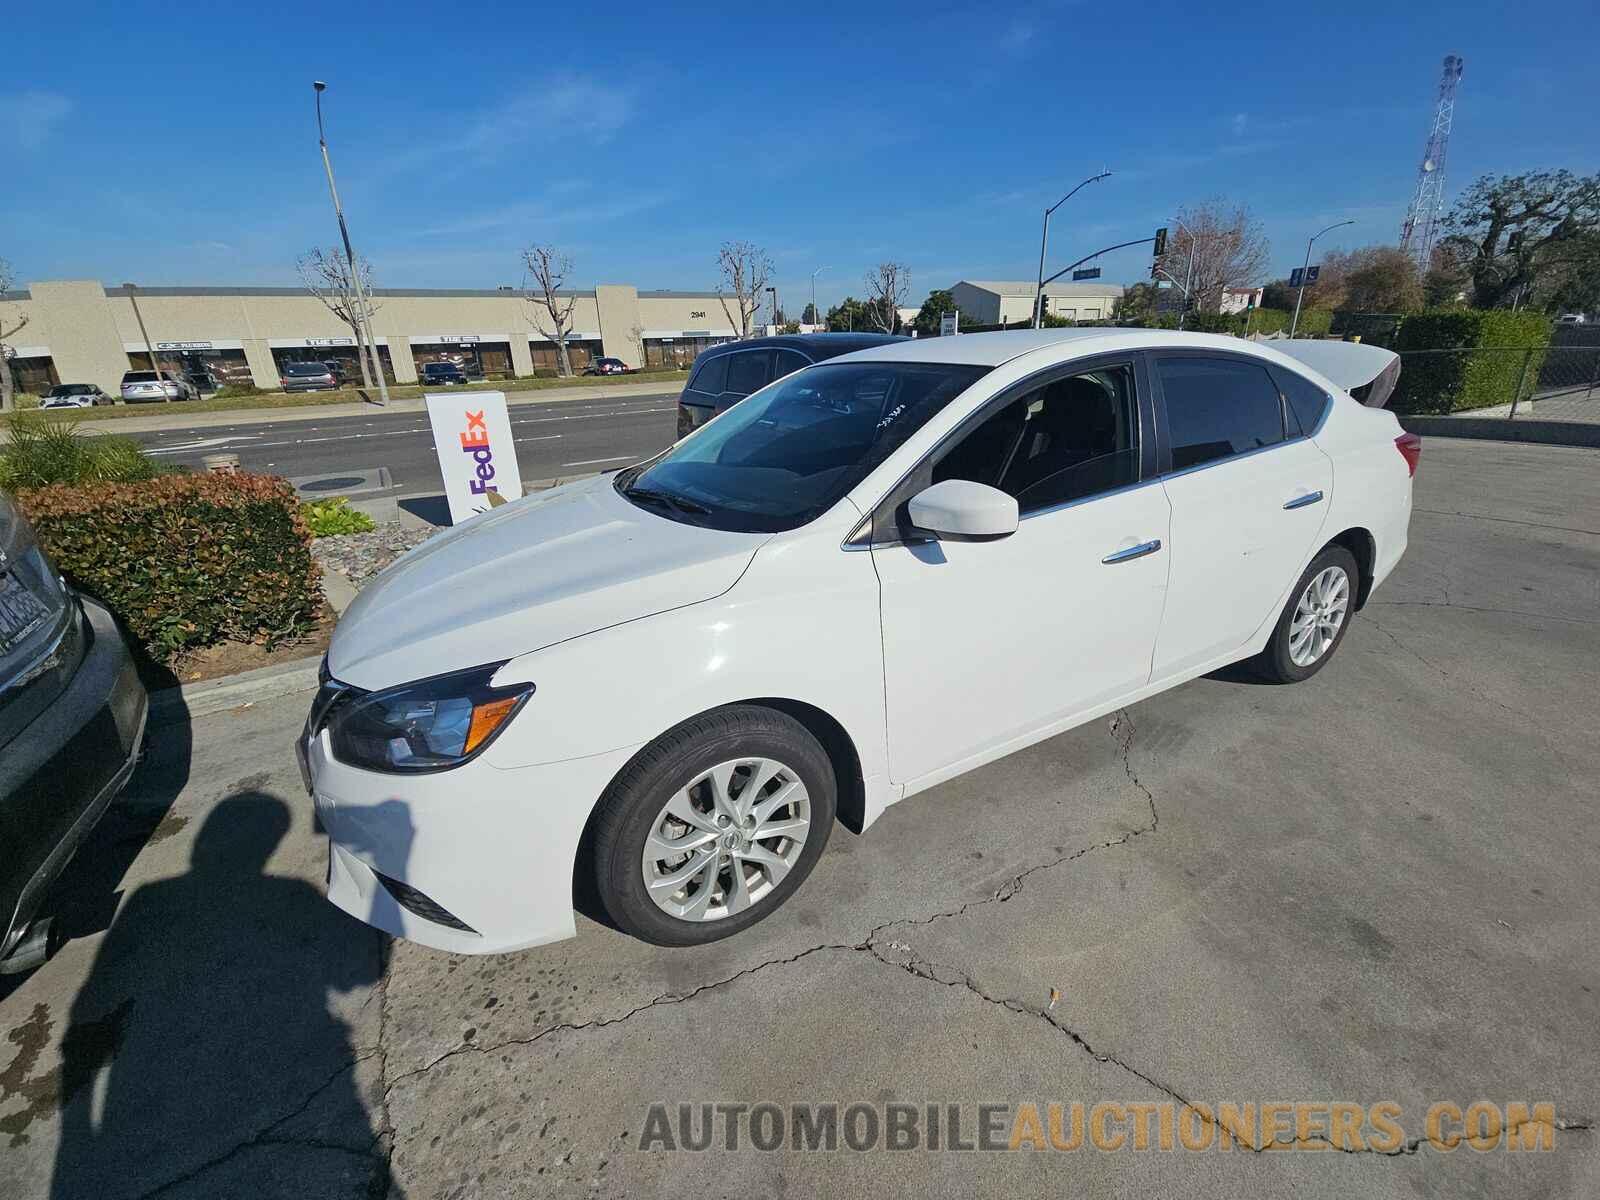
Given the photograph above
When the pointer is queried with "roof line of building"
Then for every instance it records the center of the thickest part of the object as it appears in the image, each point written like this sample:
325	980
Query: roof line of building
490	293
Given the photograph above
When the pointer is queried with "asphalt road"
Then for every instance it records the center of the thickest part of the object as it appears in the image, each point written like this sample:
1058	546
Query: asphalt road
1377	886
559	438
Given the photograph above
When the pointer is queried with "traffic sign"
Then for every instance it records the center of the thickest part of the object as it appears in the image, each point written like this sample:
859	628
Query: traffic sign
1296	277
1311	274
1086	273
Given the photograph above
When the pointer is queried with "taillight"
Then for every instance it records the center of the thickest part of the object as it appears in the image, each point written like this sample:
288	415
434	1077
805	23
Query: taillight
1410	447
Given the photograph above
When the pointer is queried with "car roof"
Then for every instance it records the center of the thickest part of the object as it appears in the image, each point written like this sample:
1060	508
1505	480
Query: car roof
993	349
815	346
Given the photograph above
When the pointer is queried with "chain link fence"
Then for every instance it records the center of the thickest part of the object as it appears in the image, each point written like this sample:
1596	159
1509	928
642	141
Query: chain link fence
1554	383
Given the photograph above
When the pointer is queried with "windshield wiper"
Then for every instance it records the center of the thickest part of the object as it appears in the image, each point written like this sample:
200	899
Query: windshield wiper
680	503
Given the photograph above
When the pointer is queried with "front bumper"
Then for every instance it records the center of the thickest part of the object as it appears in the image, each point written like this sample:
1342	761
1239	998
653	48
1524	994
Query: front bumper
492	847
60	774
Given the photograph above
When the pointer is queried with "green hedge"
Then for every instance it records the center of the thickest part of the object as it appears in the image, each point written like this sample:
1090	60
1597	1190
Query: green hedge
1455	359
185	560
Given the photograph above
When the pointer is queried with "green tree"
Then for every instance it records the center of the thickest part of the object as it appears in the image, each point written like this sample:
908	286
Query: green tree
847	315
938	303
808	315
1136	305
1512	234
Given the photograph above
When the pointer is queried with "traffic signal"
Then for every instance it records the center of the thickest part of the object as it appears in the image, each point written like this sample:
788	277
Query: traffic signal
1161	241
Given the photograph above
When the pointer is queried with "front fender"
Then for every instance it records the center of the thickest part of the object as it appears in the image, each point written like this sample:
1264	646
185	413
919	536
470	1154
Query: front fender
801	625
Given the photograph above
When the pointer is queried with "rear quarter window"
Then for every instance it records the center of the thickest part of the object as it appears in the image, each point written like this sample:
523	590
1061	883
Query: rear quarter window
711	376
1307	401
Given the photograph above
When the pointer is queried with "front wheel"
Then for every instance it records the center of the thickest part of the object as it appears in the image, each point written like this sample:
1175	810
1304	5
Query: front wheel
713	826
1314	621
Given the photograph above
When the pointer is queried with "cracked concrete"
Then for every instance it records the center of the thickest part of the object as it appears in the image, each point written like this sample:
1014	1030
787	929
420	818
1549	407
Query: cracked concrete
1376	886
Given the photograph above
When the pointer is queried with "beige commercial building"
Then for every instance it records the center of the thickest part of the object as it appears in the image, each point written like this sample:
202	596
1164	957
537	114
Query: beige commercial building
992	302
79	331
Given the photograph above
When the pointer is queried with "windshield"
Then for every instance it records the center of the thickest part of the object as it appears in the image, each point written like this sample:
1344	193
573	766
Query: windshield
306	369
792	450
441	369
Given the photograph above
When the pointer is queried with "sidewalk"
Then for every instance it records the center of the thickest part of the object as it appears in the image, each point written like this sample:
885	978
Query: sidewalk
173	416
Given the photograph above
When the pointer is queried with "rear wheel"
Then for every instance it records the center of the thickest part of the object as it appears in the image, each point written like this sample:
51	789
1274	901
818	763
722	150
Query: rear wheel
713	826
1315	619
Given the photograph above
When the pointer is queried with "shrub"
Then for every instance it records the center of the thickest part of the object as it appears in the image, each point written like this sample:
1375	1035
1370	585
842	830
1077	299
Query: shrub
229	391
185	560
1461	358
46	450
334	517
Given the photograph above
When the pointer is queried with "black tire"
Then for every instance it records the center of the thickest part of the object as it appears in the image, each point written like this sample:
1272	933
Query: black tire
634	800
1274	663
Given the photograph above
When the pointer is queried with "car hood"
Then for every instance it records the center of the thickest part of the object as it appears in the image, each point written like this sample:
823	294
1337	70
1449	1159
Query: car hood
537	571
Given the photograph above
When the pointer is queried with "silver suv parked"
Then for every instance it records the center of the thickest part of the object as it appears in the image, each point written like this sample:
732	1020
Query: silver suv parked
141	387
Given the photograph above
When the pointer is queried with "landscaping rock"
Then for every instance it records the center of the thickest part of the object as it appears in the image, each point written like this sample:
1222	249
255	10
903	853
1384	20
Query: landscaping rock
360	556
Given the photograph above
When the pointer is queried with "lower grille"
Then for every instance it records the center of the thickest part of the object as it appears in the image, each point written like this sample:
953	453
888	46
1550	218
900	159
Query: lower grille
419	905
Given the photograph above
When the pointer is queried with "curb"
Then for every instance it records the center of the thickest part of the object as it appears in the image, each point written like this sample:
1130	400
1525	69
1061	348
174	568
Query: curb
171	706
1548	433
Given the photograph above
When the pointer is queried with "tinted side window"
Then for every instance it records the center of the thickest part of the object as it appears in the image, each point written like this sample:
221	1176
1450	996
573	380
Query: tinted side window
788	362
749	371
711	376
1217	407
1307	401
1069	439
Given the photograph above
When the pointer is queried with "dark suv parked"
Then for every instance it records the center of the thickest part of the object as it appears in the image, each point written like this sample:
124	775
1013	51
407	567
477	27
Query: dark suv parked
726	374
442	374
72	713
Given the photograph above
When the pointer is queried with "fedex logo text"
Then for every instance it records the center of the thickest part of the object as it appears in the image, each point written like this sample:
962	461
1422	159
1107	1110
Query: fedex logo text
475	441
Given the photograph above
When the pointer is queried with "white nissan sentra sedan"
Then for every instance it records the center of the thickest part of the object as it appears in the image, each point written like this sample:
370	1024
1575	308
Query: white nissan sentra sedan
668	683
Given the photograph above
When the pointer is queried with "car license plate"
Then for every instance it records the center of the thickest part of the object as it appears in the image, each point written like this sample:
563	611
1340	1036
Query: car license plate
20	611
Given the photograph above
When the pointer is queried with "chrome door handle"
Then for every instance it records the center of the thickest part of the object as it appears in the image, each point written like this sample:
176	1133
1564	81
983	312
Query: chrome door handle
1133	552
1303	501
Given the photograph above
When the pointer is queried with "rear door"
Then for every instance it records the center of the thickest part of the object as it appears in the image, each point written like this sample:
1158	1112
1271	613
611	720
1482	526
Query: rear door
748	371
1249	494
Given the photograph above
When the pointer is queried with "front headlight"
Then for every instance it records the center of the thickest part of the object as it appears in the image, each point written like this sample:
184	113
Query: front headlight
430	725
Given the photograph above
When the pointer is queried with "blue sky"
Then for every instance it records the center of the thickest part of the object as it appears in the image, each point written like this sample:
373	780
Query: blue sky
641	137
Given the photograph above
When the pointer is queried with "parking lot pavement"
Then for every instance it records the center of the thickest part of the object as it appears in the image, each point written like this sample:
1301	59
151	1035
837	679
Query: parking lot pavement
1378	886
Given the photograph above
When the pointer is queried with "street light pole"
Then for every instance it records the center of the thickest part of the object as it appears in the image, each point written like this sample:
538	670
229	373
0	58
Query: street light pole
144	333
1300	295
363	313
814	313
1044	241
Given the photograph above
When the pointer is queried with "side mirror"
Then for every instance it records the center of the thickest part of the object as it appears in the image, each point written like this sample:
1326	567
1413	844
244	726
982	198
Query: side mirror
959	510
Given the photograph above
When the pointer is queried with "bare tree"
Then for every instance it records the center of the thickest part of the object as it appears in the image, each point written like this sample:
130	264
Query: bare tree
545	271
1214	245
745	270
887	286
7	329
327	276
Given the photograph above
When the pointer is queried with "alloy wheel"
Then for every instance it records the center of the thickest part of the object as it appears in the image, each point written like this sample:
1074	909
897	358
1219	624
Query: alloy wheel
726	840
1318	616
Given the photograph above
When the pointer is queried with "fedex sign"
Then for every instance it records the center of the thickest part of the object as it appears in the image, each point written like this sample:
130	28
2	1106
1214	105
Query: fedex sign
477	459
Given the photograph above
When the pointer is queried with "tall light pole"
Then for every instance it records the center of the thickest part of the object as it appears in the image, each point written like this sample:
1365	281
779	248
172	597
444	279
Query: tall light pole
814	313
773	292
1300	295
144	333
1044	241
350	255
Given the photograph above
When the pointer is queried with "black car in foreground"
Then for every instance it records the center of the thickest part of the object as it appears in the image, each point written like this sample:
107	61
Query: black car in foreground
442	374
72	715
726	374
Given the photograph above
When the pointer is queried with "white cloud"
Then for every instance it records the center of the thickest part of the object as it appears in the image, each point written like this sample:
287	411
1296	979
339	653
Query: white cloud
565	107
1240	121
27	119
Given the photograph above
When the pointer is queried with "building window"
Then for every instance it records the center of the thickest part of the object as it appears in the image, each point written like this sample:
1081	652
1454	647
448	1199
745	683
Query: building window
36	376
676	353
208	370
477	360
546	361
346	358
